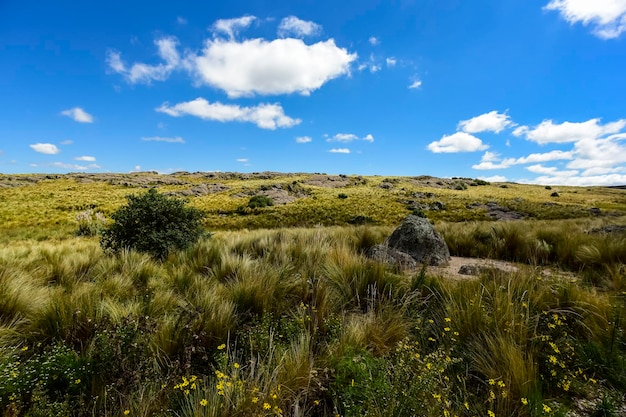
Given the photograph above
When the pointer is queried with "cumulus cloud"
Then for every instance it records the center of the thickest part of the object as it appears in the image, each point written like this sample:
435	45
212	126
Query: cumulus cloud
303	139
231	27
45	148
265	116
140	73
258	66
79	115
85	158
292	26
348	137
457	142
488	122
373	40
242	160
391	62
176	139
342	137
68	167
554	171
495	178
549	132
245	67
415	84
491	160
339	150
606	17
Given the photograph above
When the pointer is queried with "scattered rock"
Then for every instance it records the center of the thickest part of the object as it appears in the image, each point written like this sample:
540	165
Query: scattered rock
497	212
202	189
328	181
384	254
554	194
595	211
609	229
476	269
417	237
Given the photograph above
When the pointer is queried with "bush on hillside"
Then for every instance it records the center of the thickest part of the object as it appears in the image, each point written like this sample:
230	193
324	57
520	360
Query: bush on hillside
153	223
260	201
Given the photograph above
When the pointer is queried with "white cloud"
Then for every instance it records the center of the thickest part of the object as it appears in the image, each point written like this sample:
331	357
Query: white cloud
73	167
242	160
495	178
66	142
257	66
231	27
548	132
143	73
176	139
45	148
488	122
298	28
597	180
554	171
607	17
78	114
491	160
181	20
265	116
391	62
375	68
415	84
339	150
343	137
304	139
596	154
373	40
457	142
85	158
544	157
349	137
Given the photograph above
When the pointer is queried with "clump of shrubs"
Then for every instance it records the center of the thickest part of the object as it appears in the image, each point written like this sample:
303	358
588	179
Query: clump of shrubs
260	201
153	223
342	196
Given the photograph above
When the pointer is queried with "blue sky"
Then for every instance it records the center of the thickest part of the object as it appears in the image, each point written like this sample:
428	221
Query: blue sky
517	90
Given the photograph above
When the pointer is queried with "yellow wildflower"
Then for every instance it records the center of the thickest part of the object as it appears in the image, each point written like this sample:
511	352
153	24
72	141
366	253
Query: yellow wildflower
126	412
267	406
525	401
222	346
203	402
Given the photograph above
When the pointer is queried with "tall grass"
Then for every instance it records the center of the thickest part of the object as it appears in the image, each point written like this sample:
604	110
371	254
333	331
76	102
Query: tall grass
299	322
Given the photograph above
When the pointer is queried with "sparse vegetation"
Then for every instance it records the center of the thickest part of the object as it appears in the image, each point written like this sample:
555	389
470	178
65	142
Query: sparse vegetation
297	321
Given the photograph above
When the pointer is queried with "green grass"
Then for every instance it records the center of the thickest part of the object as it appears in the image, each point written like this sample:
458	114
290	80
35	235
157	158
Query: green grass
297	321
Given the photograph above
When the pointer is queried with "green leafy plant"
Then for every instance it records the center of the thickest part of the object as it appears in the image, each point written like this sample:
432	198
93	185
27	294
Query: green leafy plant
260	201
153	223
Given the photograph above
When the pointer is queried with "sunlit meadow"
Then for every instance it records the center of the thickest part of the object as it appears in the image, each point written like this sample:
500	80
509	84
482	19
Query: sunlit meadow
279	311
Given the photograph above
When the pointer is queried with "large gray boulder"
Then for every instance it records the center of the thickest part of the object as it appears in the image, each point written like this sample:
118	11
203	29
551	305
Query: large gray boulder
419	239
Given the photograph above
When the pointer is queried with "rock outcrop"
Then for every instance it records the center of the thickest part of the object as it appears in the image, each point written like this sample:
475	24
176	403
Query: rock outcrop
414	240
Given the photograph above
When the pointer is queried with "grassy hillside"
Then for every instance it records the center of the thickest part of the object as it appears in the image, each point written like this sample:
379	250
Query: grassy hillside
46	206
274	315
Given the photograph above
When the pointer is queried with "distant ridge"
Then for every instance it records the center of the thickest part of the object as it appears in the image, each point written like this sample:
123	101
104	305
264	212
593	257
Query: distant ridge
621	187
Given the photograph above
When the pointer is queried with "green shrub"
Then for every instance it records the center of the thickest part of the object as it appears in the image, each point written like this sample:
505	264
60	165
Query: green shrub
260	201
342	196
153	223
